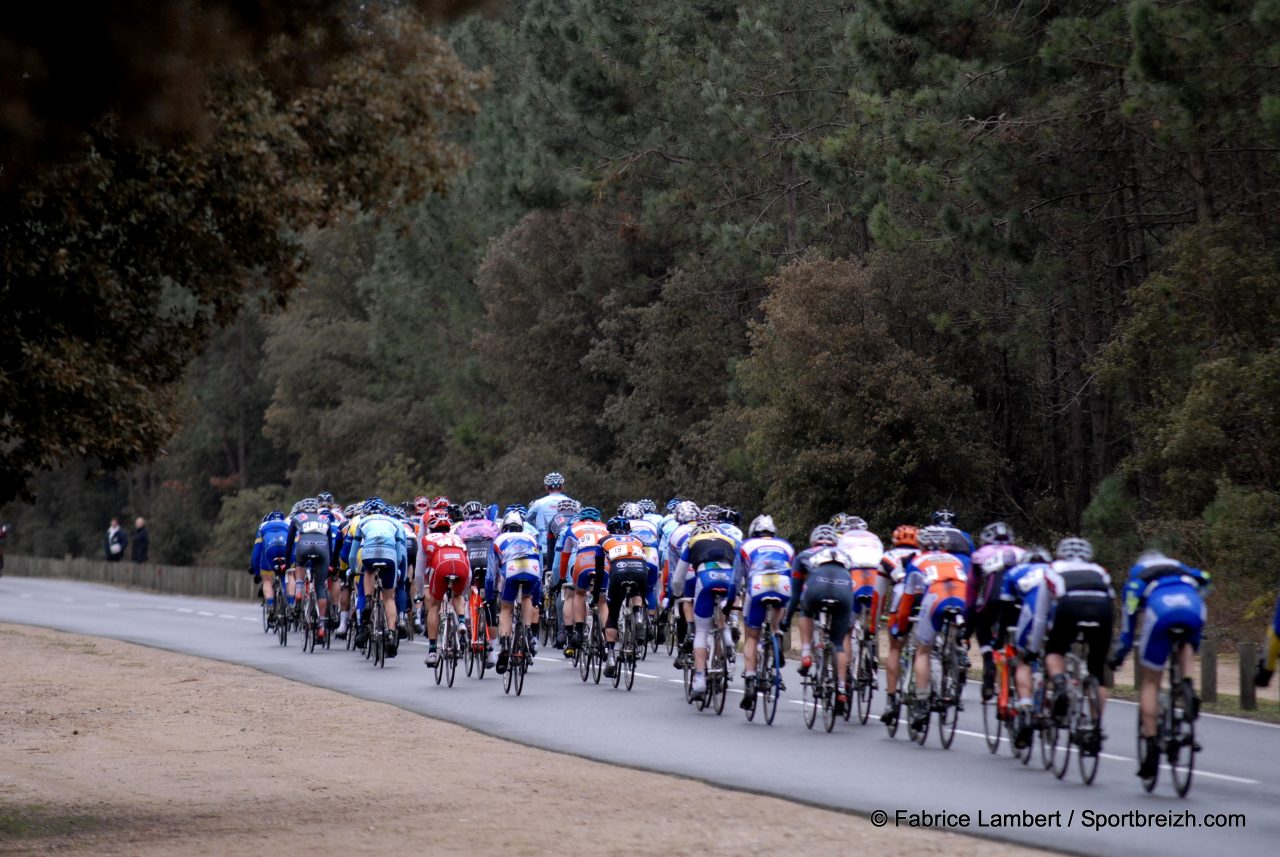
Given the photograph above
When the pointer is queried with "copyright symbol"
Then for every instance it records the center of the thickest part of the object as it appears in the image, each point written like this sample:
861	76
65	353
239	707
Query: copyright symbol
879	818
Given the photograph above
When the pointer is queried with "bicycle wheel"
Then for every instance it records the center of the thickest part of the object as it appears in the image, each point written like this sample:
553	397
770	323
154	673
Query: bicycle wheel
451	649
671	630
378	639
722	677
829	687
688	682
629	664
865	679
992	725
266	617
810	690
949	704
482	652
509	676
597	653
619	653
1088	723
1182	740
520	665
438	669
282	625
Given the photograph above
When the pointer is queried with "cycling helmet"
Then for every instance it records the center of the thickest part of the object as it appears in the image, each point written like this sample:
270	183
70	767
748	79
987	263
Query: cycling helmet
421	504
686	512
553	481
273	515
944	518
453	512
632	511
1035	553
351	511
711	510
324	498
704	528
840	521
568	507
440	503
933	538
309	505
406	506
619	524
761	525
589	513
856	523
516	507
997	533
672	503
647	506
823	535
730	516
472	510
439	524
906	535
1074	547
512	522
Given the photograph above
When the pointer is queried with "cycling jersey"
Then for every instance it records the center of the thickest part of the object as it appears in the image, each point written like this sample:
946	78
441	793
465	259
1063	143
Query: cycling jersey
710	556
542	510
379	541
941	578
983	604
622	560
271	544
763	573
822	582
311	542
1171	593
578	553
514	560
1026	585
675	546
441	555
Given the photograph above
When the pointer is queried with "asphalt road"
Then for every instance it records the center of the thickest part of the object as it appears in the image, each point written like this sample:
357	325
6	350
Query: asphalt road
856	768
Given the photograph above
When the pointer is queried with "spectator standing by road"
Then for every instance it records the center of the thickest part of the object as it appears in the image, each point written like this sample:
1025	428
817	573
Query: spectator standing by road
116	540
140	543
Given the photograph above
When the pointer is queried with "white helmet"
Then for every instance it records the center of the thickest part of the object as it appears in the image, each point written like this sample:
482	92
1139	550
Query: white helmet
762	524
686	512
513	522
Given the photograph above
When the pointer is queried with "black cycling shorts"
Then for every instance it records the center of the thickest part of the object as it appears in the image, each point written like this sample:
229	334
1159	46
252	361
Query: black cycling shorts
624	572
1071	611
819	588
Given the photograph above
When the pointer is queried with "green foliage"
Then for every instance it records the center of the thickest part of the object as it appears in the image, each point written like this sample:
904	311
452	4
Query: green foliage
231	543
1112	521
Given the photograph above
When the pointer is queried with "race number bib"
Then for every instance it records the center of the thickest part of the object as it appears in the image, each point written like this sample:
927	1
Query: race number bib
779	583
315	527
521	566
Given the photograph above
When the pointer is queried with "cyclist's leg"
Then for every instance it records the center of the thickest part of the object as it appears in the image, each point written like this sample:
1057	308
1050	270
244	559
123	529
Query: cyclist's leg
927	628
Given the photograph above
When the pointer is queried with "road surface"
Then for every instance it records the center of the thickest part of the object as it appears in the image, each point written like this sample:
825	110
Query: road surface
857	768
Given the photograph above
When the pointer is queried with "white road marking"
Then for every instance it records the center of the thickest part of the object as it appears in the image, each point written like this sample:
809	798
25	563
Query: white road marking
202	613
184	610
227	616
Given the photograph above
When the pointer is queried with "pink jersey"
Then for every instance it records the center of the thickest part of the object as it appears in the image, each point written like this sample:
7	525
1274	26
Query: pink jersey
478	529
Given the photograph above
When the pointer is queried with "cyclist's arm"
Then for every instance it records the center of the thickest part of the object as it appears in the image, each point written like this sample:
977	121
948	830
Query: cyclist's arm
1133	601
255	559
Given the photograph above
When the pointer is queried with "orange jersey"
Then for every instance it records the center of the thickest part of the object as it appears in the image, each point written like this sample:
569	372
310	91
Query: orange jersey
581	546
622	546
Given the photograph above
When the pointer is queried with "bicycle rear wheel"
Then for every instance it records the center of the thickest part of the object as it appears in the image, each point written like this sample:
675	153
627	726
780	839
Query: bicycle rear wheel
811	690
451	648
1182	740
266	617
866	679
992	725
629	665
949	715
829	688
597	653
1088	724
520	665
721	676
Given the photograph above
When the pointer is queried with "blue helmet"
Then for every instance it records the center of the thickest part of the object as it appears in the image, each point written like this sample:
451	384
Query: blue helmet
516	507
619	524
672	503
374	506
273	515
589	513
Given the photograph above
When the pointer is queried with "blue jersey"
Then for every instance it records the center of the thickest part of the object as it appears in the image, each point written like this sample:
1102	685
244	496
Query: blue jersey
514	553
543	510
378	537
272	543
1159	576
647	532
763	556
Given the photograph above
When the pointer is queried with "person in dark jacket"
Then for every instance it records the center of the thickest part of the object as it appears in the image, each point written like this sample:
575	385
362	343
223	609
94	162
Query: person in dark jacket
140	543
117	538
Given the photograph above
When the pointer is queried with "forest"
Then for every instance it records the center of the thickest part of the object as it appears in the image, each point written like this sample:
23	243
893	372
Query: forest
1018	259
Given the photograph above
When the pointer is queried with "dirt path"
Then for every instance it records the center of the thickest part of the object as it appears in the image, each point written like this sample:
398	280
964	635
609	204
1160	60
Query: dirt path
110	748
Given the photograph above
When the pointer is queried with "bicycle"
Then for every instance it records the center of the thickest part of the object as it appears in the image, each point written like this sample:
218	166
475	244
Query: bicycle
627	647
450	636
310	611
518	654
768	687
866	661
376	648
906	686
1083	725
818	691
998	712
476	653
588	657
1040	719
948	668
1176	720
717	659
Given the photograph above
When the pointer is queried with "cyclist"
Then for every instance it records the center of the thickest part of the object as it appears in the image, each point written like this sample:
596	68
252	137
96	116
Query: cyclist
542	510
378	546
763	571
514	559
871	570
405	584
1083	599
709	555
440	554
686	518
311	540
577	565
270	545
731	523
566	511
959	543
648	533
821	581
353	514
478	532
905	546
623	558
1171	593
649	509
983	606
1026	589
1267	663
937	578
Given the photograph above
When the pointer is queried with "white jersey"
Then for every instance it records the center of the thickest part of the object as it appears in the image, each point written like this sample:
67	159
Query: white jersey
863	547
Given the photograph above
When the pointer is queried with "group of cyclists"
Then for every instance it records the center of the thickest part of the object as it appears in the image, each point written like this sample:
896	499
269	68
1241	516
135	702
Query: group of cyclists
693	572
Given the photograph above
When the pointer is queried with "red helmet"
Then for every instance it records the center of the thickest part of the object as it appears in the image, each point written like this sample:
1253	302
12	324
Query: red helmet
439	524
440	503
